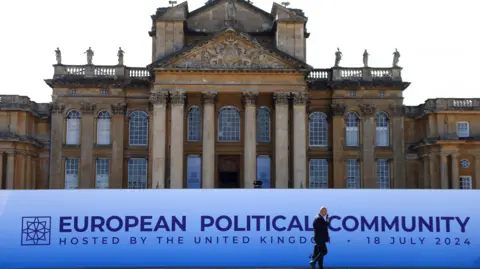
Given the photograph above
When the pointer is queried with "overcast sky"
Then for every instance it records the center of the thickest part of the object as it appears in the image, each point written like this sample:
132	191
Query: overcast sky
439	40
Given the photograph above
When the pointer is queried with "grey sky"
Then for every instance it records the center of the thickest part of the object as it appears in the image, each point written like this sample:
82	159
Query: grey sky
439	40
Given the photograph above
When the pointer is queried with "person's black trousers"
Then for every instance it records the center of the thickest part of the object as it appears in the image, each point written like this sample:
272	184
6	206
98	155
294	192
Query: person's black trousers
319	251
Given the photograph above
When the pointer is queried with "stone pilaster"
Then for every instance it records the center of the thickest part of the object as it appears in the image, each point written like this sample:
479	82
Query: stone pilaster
300	100
250	140
398	146
338	130
1	170
476	174
10	171
159	102
28	173
87	175
208	147
117	133
443	171
455	172
281	140
368	146
426	171
56	177
177	101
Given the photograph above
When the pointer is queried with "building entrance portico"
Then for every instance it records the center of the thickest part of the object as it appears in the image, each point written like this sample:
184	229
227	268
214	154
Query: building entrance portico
229	172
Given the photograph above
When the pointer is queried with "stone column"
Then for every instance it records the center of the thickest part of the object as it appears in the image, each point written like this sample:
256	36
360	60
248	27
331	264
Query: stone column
433	173
398	146
300	140
476	179
426	170
1	170
10	171
117	133
338	141
443	171
281	140
250	140
159	102
368	146
177	101
455	173
28	173
87	178
56	143
208	146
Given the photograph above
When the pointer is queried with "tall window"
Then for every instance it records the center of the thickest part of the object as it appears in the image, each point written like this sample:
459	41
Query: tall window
463	129
71	173
194	122
465	182
103	128
229	125
138	133
382	130
73	128
102	174
263	171
353	174
137	173
194	172
352	136
317	129
318	174
383	174
263	125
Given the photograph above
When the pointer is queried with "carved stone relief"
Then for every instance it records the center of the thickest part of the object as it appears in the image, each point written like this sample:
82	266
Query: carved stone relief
338	109
87	108
300	98
119	109
177	98
209	98
367	109
158	97
58	108
281	98
249	98
231	51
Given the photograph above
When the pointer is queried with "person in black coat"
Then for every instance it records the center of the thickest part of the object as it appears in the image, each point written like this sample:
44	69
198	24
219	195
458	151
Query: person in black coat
321	237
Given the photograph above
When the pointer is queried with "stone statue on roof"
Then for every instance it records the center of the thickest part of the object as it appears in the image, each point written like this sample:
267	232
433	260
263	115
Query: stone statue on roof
365	58
396	58
338	57
120	56
58	56
90	54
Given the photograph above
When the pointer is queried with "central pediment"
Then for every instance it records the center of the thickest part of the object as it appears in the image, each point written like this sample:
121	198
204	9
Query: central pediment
231	50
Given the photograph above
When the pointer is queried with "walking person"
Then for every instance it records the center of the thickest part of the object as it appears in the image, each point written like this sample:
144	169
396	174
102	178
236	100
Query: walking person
321	238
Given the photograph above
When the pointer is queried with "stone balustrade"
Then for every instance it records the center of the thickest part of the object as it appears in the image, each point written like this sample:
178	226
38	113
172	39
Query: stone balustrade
443	104
101	71
23	103
356	74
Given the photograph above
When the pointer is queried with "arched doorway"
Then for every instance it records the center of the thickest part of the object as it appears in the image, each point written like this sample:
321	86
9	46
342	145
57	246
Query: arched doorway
228	172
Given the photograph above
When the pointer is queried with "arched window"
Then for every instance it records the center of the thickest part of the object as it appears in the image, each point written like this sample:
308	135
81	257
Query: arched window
317	129
263	125
138	129
194	124
229	125
351	135
73	128
382	133
103	128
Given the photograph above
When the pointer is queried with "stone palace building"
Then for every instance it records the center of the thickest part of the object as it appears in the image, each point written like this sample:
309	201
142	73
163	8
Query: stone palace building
228	100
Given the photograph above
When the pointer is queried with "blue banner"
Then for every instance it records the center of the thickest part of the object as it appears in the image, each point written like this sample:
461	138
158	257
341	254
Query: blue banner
237	228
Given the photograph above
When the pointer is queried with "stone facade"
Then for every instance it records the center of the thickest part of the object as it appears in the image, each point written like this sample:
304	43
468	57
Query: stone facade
227	102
